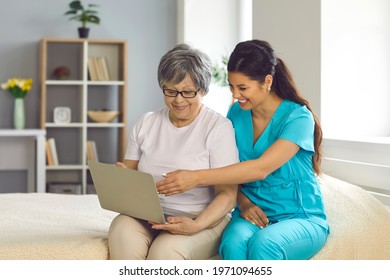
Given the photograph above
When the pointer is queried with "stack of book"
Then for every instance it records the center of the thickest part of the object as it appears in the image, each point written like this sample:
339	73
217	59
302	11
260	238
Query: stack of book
92	151
51	152
98	69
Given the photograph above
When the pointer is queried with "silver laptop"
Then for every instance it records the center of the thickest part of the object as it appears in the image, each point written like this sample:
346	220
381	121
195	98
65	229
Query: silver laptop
129	192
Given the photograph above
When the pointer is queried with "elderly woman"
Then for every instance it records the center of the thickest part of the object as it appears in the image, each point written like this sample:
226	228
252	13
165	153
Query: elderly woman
184	134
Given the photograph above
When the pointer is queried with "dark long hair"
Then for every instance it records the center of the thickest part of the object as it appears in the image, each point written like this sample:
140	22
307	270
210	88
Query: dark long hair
256	59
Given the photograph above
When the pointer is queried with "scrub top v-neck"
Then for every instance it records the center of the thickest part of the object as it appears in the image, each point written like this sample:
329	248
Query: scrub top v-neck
292	190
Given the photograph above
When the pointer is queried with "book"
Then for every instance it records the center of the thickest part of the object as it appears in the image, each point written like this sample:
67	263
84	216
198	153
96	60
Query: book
92	69
89	151
99	68
103	62
92	151
53	150
49	157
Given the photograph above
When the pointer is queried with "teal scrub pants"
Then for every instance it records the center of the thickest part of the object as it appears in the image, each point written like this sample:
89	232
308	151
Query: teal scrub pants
293	239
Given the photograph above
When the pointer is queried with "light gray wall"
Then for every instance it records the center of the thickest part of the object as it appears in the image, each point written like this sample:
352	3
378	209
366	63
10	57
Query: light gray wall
293	28
149	26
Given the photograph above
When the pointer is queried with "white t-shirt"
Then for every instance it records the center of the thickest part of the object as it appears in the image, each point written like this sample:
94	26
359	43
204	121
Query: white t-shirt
160	147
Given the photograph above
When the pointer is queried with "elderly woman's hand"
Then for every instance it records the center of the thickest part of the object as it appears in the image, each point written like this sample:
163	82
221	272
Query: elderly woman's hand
179	225
120	164
177	182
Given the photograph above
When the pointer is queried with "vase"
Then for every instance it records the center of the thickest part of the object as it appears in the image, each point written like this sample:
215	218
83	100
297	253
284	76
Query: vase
19	114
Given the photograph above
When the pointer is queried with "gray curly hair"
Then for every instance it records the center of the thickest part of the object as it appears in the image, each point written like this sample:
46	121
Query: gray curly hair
183	60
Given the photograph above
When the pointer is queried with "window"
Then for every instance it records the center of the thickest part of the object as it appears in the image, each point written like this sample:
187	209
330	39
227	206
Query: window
355	68
355	92
215	27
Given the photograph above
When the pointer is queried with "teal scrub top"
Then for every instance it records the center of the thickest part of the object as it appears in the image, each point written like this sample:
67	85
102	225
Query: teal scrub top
291	191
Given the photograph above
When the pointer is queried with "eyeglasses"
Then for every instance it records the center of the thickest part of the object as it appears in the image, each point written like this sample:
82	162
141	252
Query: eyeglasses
184	93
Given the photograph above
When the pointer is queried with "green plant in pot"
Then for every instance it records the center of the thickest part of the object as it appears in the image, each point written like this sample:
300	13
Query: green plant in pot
83	15
219	74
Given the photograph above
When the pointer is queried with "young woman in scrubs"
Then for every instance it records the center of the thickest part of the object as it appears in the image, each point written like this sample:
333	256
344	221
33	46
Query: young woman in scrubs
280	212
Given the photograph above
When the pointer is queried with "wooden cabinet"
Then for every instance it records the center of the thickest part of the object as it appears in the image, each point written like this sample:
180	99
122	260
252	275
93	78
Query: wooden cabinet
79	93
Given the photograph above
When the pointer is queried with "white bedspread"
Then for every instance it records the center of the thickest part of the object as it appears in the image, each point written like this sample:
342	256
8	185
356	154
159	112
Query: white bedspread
360	224
53	226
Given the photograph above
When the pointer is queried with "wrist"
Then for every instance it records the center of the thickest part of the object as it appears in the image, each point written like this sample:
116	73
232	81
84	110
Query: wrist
197	226
199	179
243	205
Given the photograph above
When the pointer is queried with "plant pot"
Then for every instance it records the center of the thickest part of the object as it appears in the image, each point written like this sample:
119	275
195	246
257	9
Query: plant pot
83	32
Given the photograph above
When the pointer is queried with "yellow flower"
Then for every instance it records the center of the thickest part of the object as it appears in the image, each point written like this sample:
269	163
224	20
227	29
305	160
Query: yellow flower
17	87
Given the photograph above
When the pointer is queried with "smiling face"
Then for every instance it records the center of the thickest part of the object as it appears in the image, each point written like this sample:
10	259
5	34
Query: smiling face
182	111
249	93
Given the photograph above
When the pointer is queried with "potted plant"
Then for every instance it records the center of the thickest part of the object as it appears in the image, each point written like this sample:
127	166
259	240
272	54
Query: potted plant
84	15
220	72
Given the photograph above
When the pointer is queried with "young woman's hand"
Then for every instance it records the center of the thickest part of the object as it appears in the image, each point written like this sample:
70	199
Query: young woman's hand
251	212
255	215
177	182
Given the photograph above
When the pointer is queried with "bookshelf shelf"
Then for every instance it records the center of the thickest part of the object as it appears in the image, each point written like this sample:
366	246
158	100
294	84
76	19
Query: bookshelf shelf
64	125
107	83
65	167
61	83
81	93
103	125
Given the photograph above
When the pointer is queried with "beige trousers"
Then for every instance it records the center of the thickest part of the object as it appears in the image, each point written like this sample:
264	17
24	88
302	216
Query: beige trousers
134	239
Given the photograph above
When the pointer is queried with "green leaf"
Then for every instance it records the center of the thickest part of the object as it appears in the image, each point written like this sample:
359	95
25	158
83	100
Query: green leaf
219	72
76	5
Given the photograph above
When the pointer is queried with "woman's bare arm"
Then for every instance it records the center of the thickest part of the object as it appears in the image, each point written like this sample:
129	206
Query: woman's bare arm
252	170
223	203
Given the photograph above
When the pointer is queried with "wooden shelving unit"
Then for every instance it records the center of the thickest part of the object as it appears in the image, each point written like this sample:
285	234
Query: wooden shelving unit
80	94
